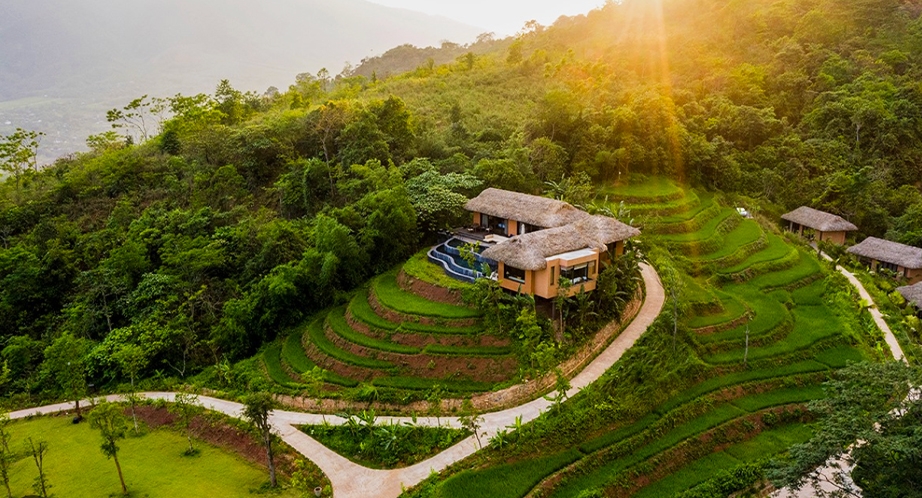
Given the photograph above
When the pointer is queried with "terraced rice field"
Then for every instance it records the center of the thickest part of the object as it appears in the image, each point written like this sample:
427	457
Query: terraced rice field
739	280
390	336
748	281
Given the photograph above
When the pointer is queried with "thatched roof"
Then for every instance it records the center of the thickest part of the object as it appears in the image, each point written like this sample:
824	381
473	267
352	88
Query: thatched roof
530	251
819	220
912	293
531	209
605	230
889	252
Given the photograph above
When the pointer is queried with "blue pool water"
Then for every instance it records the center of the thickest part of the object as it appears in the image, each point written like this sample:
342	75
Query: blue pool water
449	257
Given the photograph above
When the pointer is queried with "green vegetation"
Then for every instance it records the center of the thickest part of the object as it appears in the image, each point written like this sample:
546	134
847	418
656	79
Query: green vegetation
419	266
319	338
272	359
389	294
763	446
153	464
506	481
362	311
774	251
647	191
336	319
384	446
746	233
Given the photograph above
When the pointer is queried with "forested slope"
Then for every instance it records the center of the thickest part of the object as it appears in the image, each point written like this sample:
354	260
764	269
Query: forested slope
248	214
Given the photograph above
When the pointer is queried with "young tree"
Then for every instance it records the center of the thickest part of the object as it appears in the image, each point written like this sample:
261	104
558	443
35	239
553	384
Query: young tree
561	386
186	406
110	421
561	305
38	450
133	116
6	456
471	420
434	397
65	364
19	153
132	359
675	285
257	408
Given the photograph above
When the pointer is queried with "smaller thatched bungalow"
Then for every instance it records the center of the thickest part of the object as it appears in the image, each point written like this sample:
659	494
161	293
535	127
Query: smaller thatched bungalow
912	294
905	261
827	227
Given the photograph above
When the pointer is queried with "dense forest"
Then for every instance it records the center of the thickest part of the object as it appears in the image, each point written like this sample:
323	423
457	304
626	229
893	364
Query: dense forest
204	225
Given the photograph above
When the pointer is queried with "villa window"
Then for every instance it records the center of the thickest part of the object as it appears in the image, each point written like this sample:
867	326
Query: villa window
888	266
579	273
514	274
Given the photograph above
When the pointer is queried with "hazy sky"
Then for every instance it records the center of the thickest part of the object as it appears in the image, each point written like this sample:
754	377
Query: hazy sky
504	17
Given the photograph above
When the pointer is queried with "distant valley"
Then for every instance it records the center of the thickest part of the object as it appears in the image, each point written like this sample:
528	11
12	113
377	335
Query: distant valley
63	64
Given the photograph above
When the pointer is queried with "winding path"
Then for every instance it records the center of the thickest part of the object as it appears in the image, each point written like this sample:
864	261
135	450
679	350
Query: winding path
351	480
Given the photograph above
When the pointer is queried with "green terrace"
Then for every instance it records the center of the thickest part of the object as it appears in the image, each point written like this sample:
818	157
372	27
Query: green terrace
393	338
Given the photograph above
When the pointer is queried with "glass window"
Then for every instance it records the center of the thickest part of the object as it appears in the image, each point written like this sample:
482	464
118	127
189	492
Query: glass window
553	276
576	274
514	274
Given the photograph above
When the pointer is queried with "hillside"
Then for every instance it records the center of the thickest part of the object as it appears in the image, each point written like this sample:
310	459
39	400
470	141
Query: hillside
256	242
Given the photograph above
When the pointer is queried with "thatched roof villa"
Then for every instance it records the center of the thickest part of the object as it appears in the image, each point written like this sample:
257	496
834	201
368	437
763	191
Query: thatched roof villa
913	294
534	241
825	226
905	261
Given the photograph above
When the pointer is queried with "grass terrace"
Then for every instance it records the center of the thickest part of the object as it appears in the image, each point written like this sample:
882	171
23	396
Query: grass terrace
389	294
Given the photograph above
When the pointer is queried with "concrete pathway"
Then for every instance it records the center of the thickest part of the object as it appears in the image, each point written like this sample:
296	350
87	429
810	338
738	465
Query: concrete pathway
878	317
351	480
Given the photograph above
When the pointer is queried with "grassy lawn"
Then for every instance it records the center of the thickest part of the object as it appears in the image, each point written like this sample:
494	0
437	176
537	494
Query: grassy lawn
392	296
153	464
421	268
